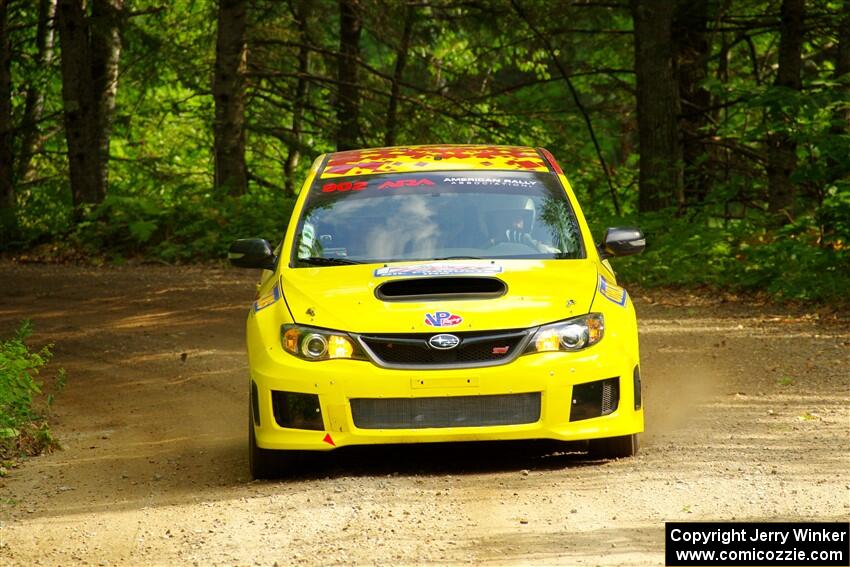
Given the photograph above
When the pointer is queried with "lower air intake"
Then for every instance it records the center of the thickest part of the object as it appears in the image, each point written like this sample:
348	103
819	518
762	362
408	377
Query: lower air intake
297	411
454	411
595	399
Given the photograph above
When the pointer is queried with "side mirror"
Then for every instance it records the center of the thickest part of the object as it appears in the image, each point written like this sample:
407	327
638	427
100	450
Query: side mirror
252	253
622	241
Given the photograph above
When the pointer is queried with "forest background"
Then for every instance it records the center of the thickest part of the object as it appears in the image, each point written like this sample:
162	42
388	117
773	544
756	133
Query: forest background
164	129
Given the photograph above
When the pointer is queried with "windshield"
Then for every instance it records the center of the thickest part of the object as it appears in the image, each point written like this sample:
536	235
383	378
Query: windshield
436	216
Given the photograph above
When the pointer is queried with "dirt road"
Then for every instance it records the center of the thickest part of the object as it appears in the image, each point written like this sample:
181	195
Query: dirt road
747	418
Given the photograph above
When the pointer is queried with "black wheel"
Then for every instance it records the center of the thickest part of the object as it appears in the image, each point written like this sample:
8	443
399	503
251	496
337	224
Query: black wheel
614	447
262	462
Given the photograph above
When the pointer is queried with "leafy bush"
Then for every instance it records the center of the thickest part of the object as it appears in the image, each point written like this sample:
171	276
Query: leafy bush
190	229
797	262
678	253
23	428
807	260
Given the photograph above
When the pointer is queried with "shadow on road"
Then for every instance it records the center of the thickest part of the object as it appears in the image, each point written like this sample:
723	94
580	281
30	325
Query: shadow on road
425	459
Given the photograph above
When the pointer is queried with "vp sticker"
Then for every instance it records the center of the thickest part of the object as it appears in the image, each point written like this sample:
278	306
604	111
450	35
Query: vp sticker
611	292
267	299
442	319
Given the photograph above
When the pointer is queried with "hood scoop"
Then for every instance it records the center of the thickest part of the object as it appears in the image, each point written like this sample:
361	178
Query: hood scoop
419	289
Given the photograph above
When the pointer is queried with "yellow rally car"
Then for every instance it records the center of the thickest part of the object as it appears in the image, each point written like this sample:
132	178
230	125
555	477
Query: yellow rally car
439	293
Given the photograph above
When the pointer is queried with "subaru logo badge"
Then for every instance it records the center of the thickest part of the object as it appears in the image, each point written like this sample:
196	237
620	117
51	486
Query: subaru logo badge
443	342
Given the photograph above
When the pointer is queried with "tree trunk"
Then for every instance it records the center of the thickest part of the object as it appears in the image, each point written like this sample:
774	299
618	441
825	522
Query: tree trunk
841	123
692	50
348	100
293	156
398	73
34	102
105	36
8	224
661	178
836	158
781	148
231	176
80	105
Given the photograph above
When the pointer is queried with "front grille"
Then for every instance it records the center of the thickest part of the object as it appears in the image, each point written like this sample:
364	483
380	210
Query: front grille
475	349
453	411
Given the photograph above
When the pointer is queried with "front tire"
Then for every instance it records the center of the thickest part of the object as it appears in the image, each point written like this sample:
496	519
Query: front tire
614	447
263	463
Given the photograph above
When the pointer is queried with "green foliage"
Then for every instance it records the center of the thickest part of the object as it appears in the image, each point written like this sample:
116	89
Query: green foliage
793	264
23	428
807	260
679	252
189	229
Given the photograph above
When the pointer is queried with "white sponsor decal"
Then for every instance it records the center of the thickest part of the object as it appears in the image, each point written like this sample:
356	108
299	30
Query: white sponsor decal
437	270
489	181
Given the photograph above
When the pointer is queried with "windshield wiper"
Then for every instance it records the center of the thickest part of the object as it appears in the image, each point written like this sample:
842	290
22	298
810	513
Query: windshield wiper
320	261
460	258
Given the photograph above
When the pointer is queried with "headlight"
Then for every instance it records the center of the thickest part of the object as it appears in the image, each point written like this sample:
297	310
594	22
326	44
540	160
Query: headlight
310	343
570	335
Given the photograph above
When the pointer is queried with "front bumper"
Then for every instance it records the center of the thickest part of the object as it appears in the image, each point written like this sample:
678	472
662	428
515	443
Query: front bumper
336	382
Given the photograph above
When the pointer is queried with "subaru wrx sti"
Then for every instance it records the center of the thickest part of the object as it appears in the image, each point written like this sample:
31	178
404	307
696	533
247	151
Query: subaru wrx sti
435	294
